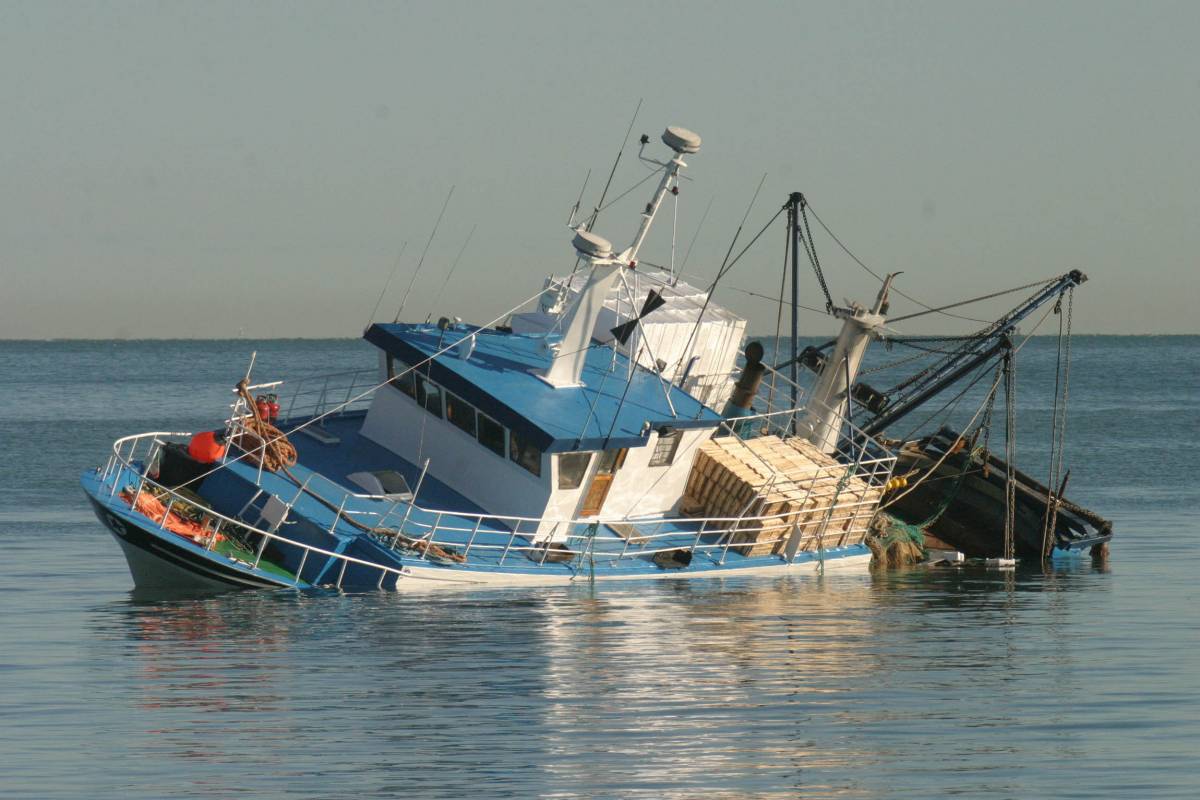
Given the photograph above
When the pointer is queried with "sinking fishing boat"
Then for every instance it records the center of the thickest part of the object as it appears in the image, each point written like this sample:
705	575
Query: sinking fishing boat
563	444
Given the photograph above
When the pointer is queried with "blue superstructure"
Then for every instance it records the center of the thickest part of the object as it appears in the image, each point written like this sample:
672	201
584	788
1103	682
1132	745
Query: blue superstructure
617	405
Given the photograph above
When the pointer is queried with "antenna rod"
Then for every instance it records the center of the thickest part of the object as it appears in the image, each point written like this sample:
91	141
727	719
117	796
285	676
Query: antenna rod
579	200
457	258
596	211
388	282
417	271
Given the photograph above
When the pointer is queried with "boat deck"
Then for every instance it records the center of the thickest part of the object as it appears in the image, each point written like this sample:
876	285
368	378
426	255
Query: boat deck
460	523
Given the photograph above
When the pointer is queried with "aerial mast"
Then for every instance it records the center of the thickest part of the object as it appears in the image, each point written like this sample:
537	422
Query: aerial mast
579	320
794	200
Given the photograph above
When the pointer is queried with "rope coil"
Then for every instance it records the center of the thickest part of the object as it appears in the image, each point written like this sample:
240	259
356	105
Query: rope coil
263	443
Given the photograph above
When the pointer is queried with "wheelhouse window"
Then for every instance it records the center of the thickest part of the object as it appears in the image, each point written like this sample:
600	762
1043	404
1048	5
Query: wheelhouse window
461	414
525	454
406	382
429	395
464	416
491	435
665	448
571	469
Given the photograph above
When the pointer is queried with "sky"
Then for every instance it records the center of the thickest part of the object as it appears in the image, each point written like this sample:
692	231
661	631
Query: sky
254	169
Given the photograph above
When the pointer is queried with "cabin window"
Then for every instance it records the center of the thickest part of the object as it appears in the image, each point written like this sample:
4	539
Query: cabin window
406	382
525	454
491	435
461	414
571	469
664	449
429	395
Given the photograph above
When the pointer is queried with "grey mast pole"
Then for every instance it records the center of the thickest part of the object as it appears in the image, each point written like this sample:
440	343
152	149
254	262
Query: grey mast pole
794	201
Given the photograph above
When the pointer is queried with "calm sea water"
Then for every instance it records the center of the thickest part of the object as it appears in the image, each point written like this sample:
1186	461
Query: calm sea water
1076	681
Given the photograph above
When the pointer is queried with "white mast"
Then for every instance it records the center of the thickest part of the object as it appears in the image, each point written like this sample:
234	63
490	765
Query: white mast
822	424
580	319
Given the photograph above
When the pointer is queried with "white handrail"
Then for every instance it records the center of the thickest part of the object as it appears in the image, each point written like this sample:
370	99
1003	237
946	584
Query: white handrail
831	470
879	465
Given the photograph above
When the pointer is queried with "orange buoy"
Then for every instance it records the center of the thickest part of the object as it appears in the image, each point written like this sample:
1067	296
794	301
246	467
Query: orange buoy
207	447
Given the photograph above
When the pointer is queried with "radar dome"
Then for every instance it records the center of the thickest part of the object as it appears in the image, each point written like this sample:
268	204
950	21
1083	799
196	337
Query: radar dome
591	245
681	140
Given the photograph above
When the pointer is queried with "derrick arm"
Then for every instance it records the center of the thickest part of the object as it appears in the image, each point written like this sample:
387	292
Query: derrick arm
974	353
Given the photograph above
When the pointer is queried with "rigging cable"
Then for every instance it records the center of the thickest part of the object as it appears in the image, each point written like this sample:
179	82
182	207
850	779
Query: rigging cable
949	406
989	402
787	303
912	487
811	248
858	261
1058	428
940	309
1010	453
970	344
726	265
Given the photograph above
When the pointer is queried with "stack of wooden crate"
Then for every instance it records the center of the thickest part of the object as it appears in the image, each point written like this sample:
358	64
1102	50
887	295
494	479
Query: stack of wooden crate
773	486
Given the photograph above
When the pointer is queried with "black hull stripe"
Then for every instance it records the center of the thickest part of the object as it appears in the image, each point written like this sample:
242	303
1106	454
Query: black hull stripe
155	545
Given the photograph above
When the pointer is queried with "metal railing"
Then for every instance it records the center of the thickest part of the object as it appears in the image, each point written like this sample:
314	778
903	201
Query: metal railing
122	460
836	518
335	393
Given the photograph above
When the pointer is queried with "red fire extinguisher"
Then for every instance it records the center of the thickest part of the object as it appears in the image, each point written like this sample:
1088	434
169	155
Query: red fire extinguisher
263	407
273	406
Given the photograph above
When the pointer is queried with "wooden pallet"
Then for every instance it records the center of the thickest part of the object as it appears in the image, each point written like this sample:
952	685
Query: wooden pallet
775	486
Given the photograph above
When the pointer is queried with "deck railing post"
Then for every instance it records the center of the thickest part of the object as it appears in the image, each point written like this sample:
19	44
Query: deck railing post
300	569
729	532
411	504
471	541
216	531
292	402
262	458
262	545
625	547
699	533
508	546
383	519
321	400
338	515
432	535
